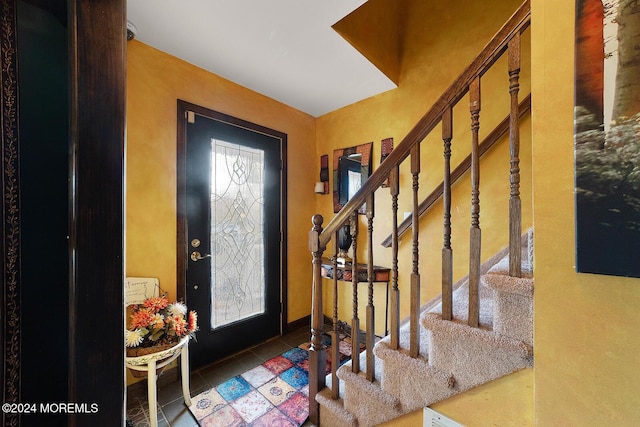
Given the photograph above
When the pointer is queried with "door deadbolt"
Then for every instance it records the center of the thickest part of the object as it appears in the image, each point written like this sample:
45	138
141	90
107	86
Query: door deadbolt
195	243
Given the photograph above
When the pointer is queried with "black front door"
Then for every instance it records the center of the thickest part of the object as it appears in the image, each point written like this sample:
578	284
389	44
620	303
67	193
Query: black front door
233	228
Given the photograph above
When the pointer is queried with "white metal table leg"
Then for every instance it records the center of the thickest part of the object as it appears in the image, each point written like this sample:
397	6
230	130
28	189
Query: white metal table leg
151	393
184	364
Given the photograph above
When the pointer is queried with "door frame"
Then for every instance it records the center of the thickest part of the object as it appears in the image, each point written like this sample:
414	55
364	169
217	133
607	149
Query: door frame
96	210
182	247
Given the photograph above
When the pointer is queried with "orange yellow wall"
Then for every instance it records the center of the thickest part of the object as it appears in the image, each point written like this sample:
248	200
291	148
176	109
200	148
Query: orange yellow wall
383	46
587	339
437	45
155	81
504	402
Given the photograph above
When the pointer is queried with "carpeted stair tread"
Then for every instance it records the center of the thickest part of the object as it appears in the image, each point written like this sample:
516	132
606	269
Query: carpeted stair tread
495	266
329	385
502	267
474	356
460	305
385	352
434	322
501	282
526	257
413	380
346	367
404	340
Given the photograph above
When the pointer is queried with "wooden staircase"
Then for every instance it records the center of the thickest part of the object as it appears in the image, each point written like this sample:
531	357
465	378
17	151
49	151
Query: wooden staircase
481	327
453	356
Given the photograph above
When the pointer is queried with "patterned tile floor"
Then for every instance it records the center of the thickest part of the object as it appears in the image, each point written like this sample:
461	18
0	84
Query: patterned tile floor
172	412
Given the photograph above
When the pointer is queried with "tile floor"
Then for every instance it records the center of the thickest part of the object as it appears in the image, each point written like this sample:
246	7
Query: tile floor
172	412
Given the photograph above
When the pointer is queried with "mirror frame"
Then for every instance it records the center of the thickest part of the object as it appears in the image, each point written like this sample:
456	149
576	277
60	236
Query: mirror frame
365	150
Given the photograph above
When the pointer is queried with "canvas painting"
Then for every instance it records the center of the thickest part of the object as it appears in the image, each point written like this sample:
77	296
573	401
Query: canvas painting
607	137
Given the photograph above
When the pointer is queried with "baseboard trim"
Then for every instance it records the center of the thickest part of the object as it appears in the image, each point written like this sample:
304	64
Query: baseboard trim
300	323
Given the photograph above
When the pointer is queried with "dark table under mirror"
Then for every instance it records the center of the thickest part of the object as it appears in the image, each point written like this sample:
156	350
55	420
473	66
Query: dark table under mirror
345	274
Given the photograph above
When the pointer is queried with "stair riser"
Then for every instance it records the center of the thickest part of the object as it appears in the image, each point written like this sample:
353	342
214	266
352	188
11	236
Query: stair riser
472	361
413	381
333	413
361	395
415	391
359	402
329	418
513	316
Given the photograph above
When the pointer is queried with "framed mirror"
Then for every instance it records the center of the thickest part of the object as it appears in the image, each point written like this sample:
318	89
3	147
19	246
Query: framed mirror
351	168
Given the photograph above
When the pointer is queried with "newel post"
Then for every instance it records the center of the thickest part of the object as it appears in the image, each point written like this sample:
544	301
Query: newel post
317	356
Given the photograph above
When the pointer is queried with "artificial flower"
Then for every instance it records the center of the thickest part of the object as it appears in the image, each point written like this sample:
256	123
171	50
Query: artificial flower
156	321
193	321
141	319
156	304
179	325
134	338
178	309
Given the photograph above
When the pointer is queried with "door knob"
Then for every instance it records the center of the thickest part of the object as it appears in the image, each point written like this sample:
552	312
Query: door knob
197	256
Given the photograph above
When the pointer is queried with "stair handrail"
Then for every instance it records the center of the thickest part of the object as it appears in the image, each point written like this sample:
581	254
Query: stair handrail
517	23
464	166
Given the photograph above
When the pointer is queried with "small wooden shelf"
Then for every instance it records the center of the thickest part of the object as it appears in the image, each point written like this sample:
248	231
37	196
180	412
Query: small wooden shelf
345	274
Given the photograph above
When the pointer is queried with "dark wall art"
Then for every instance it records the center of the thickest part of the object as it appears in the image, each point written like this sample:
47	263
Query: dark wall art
607	137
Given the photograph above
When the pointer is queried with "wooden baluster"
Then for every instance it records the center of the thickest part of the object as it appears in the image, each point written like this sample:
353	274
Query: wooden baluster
335	335
414	331
370	308
355	321
475	233
447	252
394	184
317	356
515	205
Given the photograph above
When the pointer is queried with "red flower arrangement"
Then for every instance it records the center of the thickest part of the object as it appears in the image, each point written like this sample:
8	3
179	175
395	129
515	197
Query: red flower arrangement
156	321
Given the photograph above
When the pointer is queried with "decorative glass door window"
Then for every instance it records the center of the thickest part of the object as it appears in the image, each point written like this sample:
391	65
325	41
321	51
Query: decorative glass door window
237	233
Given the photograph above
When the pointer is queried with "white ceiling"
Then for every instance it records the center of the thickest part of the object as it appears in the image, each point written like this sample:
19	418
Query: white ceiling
284	49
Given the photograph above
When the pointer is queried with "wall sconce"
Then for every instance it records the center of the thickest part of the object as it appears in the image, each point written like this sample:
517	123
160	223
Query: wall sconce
322	186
